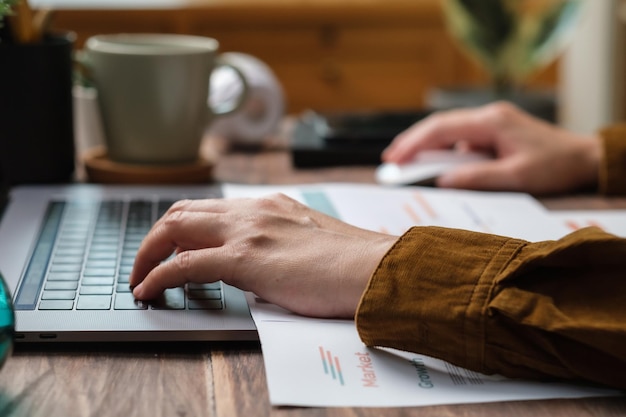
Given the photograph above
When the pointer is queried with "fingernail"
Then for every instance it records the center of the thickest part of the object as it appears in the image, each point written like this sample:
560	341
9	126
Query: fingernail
138	290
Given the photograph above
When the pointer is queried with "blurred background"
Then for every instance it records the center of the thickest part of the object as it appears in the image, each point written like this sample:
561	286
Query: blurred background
381	55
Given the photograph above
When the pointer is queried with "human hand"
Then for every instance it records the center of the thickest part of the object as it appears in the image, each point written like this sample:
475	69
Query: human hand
275	247
530	155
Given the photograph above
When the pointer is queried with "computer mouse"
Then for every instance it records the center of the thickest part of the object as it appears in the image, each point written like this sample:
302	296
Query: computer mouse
426	166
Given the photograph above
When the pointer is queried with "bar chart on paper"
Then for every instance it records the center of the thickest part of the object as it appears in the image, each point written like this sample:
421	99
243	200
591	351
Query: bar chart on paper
331	365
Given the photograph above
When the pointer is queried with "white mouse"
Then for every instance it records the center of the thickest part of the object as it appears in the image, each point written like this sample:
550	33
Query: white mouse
426	166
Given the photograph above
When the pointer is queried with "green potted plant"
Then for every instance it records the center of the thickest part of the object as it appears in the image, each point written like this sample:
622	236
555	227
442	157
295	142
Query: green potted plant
510	39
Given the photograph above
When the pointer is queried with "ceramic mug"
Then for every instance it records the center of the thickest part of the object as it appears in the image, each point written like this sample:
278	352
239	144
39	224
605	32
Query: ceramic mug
153	94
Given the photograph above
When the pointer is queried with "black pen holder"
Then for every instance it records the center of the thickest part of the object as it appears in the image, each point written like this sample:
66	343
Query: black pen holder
36	111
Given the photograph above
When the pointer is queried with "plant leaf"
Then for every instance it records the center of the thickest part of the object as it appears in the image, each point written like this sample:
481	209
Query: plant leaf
493	23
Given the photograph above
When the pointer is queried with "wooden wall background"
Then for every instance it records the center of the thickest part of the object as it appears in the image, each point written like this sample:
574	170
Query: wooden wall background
328	54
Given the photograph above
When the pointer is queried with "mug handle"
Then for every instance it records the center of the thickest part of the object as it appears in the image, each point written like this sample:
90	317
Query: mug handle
229	106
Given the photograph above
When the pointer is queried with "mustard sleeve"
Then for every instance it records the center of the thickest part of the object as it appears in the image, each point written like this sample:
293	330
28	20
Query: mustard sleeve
612	176
498	305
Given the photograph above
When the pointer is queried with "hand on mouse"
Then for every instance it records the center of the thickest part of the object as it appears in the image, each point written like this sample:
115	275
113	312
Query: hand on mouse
279	249
530	154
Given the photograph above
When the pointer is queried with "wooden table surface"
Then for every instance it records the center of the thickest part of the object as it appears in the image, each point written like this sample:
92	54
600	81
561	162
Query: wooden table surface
220	379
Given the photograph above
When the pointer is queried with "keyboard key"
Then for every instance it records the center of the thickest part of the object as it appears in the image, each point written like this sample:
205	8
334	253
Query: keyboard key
71	232
56	304
205	304
99	272
123	278
61	285
128	258
131	247
63	276
123	288
133	240
98	256
94	302
114	231
58	295
172	299
101	263
205	286
67	259
98	281
105	248
125	269
65	268
96	290
204	294
126	301
70	244
70	251
106	240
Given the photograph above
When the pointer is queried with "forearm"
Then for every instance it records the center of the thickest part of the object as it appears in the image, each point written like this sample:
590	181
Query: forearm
502	305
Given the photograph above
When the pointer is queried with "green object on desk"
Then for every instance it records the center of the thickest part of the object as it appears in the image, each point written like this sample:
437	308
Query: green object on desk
7	322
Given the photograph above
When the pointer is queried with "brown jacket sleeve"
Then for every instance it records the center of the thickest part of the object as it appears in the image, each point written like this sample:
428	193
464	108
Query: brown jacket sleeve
554	309
612	178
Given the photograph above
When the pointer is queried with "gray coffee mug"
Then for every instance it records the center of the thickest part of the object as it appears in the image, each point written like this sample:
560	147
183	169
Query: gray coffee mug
153	94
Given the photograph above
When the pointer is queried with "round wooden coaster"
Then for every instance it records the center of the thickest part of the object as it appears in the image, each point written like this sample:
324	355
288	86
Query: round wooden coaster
99	168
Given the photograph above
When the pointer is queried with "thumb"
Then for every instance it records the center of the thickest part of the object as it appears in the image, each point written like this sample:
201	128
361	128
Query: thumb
489	176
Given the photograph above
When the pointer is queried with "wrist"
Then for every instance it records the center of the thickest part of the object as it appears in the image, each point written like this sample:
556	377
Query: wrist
368	262
592	151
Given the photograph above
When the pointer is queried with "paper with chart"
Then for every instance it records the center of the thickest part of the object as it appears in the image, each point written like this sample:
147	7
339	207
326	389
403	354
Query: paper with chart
612	221
393	210
315	362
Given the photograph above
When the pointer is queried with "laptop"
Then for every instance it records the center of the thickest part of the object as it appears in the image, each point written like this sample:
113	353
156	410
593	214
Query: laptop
67	250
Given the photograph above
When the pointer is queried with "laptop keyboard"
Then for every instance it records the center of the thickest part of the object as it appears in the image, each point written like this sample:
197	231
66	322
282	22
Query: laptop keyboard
84	256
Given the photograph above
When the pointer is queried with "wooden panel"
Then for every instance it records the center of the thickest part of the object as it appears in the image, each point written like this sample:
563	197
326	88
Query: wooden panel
353	66
87	23
328	54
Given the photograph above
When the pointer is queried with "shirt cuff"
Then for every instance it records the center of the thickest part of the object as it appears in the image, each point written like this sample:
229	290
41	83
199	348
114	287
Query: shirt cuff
430	293
612	177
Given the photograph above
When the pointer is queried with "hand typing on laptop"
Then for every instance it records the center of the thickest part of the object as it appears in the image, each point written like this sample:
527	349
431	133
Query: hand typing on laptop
279	249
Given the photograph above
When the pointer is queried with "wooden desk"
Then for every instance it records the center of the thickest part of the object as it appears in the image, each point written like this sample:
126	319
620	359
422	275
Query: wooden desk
220	379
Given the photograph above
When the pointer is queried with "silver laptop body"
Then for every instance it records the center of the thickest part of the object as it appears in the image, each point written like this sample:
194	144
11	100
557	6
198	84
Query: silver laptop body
64	253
